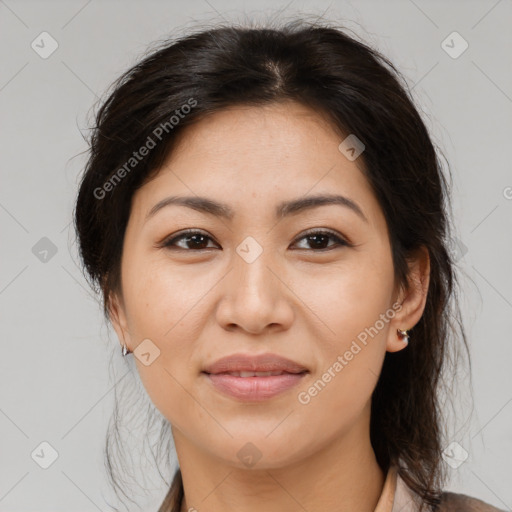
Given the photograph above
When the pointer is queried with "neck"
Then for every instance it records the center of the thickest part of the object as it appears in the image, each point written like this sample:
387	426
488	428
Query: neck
343	476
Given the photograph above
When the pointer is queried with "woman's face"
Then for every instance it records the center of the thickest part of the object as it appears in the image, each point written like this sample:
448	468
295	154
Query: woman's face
254	282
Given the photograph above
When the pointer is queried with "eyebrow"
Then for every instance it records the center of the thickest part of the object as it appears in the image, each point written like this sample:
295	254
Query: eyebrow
283	209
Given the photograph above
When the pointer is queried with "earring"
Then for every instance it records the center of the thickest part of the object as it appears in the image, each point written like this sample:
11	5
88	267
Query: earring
404	335
125	350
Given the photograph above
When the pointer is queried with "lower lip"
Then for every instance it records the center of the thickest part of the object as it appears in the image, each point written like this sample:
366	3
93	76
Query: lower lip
254	388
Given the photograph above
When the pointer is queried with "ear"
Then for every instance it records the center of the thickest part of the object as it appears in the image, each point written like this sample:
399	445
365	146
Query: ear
117	317
412	298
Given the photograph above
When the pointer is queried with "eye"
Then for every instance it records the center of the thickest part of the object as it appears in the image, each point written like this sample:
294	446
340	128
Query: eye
192	239
197	240
318	238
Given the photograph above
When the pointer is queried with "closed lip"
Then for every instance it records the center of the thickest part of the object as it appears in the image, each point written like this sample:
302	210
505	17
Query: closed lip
254	363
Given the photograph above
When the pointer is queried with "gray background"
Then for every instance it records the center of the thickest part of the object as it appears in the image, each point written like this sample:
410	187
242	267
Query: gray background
54	370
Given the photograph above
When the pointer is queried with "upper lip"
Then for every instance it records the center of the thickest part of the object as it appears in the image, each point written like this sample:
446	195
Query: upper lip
254	363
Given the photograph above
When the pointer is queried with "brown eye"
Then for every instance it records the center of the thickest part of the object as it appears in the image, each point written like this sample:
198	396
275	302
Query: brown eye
319	239
190	240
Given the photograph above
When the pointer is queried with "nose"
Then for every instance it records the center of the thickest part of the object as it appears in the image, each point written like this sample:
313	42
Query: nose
255	298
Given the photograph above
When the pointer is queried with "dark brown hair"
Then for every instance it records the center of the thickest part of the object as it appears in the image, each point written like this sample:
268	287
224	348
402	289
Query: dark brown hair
361	93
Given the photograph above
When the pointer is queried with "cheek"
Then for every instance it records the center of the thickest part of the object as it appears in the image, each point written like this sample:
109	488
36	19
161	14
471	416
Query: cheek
352	312
167	305
349	296
161	298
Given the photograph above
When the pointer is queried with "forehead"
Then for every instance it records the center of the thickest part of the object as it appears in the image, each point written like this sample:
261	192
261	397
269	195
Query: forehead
253	158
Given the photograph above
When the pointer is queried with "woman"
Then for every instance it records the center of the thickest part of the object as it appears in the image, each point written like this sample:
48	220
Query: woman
266	217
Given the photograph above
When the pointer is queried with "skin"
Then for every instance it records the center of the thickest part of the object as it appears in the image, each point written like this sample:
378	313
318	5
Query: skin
294	300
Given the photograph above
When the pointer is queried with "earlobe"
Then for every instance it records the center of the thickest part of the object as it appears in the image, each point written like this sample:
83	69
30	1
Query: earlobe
398	339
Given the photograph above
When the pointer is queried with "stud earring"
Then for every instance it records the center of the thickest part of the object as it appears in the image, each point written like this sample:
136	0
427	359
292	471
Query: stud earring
125	350
404	335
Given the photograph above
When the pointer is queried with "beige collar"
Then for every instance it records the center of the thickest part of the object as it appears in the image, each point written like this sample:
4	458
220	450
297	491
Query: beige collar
396	496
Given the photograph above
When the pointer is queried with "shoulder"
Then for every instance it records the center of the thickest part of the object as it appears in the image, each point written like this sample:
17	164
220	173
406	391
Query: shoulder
454	502
408	501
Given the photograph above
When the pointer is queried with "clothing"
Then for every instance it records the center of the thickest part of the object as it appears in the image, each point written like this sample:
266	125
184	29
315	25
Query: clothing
395	497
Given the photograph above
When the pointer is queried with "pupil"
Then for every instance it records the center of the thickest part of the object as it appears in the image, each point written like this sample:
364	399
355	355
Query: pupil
194	239
317	239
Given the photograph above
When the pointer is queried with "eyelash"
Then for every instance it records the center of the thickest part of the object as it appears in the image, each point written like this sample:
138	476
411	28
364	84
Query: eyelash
340	242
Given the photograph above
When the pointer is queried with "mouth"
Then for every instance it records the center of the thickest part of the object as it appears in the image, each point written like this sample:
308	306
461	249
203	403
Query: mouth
248	386
256	363
245	374
254	377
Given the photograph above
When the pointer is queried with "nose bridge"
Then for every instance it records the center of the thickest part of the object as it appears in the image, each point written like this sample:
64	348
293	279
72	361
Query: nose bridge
253	297
251	271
